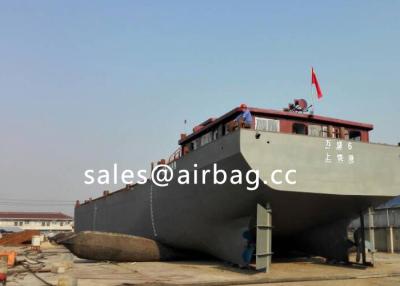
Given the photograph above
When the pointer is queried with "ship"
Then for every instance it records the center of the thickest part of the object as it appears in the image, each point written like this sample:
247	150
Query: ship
338	174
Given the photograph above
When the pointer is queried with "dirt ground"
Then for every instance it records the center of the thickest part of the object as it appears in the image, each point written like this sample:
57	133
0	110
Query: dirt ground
312	272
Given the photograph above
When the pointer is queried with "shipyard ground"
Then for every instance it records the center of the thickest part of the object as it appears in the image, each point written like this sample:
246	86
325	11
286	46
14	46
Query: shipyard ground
292	272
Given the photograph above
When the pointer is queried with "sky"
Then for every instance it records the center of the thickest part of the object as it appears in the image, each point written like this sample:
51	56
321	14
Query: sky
85	84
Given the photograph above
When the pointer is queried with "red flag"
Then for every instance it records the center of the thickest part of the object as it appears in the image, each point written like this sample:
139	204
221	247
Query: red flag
314	81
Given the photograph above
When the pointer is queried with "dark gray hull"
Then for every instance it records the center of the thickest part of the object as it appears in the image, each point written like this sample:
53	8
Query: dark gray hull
213	218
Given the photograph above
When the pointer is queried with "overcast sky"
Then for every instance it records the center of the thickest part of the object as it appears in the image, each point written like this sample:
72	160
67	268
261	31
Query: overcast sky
84	84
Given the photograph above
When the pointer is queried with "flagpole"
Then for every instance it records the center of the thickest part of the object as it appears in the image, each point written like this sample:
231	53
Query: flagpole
312	96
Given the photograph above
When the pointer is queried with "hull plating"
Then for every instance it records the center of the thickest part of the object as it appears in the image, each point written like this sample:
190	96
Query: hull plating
213	218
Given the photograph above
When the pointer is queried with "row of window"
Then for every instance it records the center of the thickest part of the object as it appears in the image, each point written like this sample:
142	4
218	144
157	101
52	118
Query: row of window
207	138
326	131
273	125
44	223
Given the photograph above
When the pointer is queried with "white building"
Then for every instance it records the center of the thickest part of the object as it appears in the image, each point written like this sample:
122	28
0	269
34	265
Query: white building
42	221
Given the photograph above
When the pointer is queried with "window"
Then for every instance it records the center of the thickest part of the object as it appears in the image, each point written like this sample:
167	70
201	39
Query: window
336	132
266	124
215	134
194	145
26	222
21	223
15	223
314	130
299	128
43	223
343	133
205	139
61	223
48	223
355	135
226	129
324	131
221	130
333	132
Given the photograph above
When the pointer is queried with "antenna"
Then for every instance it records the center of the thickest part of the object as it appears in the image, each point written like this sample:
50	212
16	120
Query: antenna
299	106
185	126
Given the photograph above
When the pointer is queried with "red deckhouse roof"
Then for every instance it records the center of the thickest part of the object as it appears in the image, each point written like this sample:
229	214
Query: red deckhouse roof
34	216
279	114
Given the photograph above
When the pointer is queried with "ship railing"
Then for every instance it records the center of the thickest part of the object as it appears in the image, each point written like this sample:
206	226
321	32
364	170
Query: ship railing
177	154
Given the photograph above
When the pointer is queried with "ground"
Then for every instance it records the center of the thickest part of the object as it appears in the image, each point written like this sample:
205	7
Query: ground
312	272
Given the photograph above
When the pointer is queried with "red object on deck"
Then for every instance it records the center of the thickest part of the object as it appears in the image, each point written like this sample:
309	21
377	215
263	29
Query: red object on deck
314	81
3	277
198	128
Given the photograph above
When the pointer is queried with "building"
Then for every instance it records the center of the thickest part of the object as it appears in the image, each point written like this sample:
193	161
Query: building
385	226
42	221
